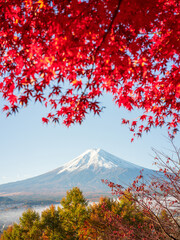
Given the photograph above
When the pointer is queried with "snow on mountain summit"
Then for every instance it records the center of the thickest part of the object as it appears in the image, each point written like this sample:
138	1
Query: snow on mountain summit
95	159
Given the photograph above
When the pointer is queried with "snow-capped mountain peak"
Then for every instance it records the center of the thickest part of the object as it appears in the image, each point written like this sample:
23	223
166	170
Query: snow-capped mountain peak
95	159
85	171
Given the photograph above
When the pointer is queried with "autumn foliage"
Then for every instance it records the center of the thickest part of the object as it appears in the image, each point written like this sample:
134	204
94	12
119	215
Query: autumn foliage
66	54
107	219
159	199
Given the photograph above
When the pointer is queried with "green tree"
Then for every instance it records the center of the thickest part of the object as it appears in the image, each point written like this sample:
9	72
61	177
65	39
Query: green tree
28	228
51	222
74	213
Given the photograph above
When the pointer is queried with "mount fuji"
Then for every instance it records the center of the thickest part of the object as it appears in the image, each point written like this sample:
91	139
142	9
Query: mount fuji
85	171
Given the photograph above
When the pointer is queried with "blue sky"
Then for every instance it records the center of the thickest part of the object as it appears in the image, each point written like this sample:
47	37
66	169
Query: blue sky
29	148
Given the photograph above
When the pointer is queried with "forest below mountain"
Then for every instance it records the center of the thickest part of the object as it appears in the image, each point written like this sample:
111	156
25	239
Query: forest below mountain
106	219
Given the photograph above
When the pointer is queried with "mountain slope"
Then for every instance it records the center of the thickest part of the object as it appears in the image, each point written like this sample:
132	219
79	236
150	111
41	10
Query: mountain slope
85	171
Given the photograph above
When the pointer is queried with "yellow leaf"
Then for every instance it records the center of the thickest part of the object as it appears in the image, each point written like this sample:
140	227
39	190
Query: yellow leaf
42	75
41	3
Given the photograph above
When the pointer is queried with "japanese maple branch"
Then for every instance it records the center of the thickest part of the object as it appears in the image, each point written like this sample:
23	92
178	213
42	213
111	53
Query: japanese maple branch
98	48
144	206
109	28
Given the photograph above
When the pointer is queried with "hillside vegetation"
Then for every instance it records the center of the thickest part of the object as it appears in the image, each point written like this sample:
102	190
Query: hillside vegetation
107	219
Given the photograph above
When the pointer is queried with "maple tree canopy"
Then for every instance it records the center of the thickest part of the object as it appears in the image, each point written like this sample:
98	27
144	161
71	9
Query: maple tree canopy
68	53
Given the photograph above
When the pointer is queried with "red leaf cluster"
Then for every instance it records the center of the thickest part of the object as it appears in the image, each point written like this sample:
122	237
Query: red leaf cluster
66	54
